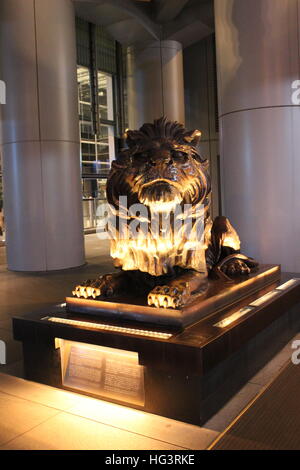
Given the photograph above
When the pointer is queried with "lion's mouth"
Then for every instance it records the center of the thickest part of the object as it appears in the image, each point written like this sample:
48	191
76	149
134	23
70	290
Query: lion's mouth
160	193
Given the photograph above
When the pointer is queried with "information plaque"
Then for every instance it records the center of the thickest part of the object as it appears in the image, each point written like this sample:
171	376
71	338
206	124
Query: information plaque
105	372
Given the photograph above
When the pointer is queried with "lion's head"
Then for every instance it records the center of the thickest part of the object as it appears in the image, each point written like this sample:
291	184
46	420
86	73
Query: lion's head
160	167
161	170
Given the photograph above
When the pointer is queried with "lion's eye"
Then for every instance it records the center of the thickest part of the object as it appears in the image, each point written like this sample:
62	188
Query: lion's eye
181	156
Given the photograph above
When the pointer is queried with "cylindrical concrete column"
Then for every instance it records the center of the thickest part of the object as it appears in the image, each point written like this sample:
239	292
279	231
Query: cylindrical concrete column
155	83
40	135
258	60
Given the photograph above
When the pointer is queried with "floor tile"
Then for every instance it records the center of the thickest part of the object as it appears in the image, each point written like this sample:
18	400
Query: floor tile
150	425
18	416
38	393
68	432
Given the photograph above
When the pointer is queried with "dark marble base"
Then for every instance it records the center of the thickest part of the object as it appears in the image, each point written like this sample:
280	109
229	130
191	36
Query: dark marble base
188	375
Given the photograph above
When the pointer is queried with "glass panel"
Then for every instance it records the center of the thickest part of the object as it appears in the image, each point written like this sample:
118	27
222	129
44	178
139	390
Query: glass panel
83	42
88	149
104	134
105	96
265	298
94	194
101	189
85	112
96	153
89	168
105	50
97	145
288	284
88	157
89	188
84	84
88	152
105	148
87	131
103	158
89	220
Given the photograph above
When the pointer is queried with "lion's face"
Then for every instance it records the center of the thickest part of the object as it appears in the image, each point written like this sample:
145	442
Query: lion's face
160	172
161	169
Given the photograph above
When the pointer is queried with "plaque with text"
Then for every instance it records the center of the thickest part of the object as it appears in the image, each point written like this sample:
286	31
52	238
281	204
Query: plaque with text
106	372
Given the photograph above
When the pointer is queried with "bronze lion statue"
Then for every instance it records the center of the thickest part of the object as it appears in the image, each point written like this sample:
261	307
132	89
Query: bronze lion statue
163	240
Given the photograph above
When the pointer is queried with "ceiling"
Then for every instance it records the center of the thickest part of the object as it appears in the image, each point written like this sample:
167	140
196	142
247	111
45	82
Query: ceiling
134	22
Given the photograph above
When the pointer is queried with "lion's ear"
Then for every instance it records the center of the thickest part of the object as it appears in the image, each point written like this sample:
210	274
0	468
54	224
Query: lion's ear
132	138
129	138
192	137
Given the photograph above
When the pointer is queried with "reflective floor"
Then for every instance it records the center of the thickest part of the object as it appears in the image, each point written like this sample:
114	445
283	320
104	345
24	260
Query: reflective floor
34	416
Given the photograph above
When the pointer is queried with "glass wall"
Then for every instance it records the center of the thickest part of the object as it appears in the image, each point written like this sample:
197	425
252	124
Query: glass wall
97	147
99	116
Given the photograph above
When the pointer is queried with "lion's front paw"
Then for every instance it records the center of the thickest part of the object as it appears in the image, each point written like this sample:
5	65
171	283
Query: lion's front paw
168	296
235	267
104	286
